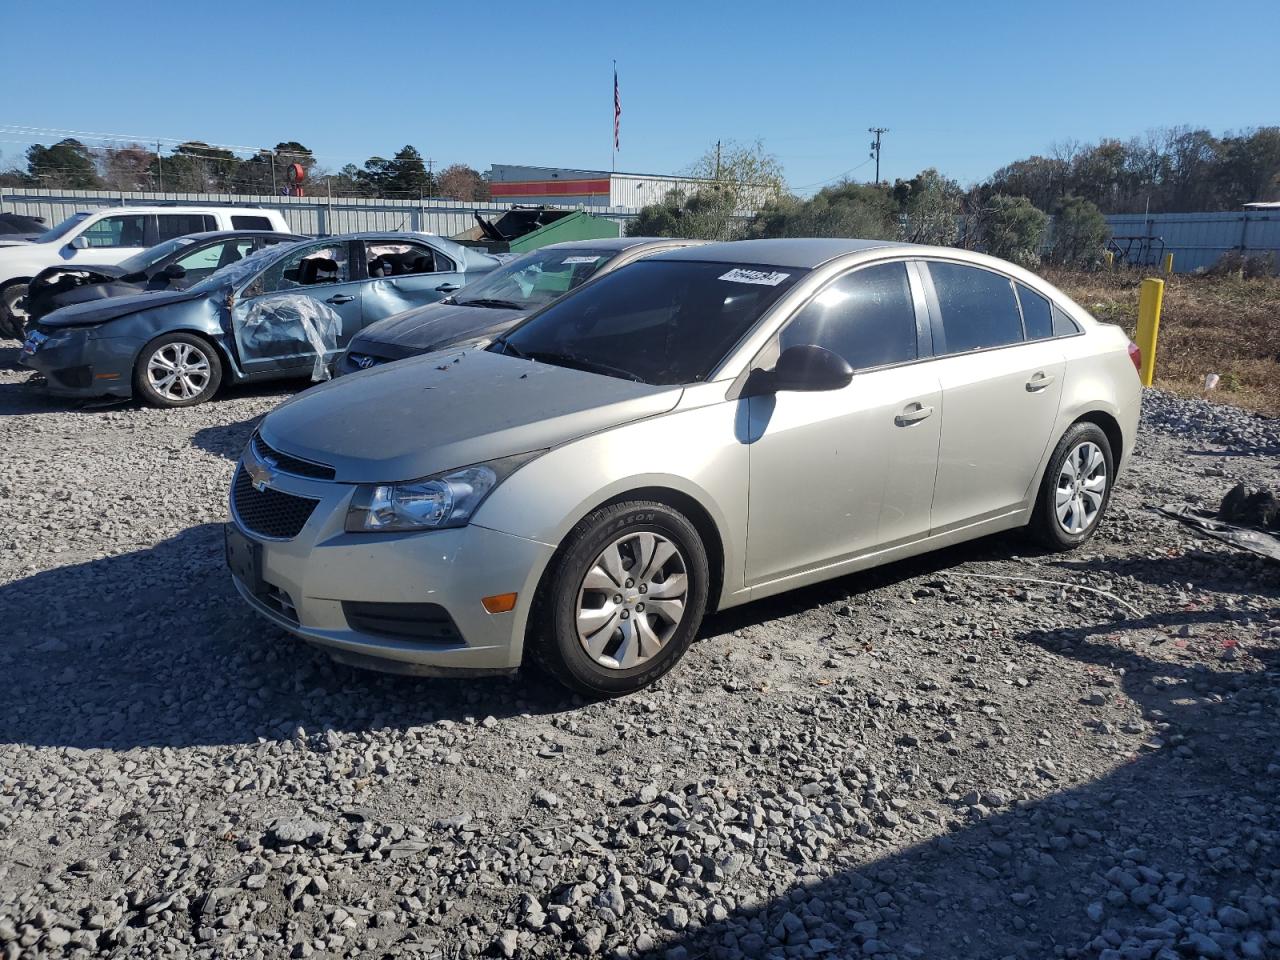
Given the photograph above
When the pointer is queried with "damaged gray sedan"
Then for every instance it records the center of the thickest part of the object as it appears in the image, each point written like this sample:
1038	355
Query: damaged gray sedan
284	312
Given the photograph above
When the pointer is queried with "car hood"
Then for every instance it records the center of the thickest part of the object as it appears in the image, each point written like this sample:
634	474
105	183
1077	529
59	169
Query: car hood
432	327
452	409
100	311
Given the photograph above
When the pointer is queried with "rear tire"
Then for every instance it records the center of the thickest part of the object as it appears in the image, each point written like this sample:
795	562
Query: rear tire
177	370
623	600
1075	490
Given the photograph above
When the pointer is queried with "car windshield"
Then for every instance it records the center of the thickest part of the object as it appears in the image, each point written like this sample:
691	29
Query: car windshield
233	274
536	278
655	321
62	229
153	255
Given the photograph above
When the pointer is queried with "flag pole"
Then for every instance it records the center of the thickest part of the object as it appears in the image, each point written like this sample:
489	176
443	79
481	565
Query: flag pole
613	162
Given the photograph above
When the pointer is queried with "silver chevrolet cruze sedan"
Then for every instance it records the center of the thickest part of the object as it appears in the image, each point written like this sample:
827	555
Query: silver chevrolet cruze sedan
699	429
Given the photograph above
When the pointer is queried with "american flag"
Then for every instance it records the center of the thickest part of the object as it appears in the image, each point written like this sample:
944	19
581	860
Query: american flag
617	108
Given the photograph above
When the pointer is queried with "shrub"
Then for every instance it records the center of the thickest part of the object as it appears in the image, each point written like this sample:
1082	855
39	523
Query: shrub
1080	233
1012	229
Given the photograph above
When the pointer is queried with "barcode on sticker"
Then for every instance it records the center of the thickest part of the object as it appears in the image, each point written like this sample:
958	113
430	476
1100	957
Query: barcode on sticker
568	260
763	277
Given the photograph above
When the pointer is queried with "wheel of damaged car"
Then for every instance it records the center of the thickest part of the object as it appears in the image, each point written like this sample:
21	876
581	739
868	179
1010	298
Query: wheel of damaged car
1075	490
13	312
177	370
623	599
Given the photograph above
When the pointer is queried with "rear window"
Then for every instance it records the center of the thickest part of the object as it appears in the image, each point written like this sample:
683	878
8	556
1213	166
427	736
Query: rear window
1037	315
978	308
656	321
172	225
251	223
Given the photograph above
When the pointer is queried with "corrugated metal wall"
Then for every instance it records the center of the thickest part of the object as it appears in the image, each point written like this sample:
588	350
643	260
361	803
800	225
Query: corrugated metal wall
1198	240
310	215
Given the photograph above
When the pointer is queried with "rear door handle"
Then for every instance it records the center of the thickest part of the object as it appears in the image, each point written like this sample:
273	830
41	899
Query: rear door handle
340	298
448	287
913	413
1039	382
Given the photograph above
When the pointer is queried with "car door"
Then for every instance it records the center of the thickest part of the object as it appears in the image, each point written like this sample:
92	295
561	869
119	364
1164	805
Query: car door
840	473
108	239
405	273
303	304
1000	395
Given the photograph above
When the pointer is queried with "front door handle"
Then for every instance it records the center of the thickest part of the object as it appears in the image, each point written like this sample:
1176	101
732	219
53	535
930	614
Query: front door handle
340	298
448	287
913	413
1039	382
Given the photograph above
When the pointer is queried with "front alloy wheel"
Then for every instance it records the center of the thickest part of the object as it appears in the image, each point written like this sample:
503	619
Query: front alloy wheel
621	600
177	370
632	600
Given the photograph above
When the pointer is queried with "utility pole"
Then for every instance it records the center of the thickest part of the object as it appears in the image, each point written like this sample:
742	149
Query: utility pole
160	166
875	147
717	159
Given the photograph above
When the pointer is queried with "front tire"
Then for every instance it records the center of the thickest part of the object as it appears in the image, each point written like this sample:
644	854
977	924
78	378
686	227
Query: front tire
1075	490
177	370
13	317
623	601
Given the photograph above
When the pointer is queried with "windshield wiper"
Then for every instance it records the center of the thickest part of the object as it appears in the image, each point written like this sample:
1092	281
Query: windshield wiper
574	361
494	304
509	349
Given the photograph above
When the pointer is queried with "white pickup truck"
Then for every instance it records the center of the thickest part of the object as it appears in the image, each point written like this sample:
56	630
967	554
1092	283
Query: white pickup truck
109	235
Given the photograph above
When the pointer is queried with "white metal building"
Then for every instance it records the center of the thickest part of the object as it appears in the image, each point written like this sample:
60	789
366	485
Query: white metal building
512	183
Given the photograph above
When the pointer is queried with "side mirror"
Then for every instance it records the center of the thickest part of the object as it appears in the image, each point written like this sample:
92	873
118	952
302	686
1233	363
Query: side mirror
79	243
804	367
174	272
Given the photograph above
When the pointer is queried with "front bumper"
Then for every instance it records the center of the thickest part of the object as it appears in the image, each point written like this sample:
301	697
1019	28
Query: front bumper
310	582
77	364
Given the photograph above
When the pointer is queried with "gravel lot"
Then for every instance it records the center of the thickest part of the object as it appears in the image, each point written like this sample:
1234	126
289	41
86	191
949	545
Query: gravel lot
926	761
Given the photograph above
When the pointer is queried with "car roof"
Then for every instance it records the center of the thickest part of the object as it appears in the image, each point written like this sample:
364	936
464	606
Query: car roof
221	234
616	243
174	208
807	252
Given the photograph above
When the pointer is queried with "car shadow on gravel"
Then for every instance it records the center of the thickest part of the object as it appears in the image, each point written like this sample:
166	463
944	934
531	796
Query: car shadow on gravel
226	440
153	648
1113	864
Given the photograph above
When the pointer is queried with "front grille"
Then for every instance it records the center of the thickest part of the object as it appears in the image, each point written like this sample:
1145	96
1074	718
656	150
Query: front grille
287	464
269	513
426	622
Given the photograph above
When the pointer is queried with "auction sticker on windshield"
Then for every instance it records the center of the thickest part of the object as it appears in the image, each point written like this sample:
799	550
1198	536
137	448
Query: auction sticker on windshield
763	277
568	260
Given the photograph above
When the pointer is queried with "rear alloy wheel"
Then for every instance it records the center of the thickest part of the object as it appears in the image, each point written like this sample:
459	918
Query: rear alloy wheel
1076	488
623	601
177	370
13	311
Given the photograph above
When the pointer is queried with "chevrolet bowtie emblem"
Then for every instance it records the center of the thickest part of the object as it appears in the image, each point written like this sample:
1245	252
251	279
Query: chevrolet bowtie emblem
260	472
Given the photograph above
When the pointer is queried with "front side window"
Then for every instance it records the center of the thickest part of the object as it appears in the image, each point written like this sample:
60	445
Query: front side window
170	225
311	266
535	279
867	317
117	231
655	321
398	259
978	307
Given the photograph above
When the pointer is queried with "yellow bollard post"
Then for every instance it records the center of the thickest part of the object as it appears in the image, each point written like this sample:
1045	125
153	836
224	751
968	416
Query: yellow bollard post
1149	303
1168	264
1110	257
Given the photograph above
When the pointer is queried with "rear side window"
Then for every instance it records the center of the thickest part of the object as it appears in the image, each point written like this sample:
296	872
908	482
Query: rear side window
387	259
251	223
978	308
1064	326
867	317
1037	315
172	225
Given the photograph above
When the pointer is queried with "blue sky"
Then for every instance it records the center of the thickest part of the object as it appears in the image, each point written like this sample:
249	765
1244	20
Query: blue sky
965	87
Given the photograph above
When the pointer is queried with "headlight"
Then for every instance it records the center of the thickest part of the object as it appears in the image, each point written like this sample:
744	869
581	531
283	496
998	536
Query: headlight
444	500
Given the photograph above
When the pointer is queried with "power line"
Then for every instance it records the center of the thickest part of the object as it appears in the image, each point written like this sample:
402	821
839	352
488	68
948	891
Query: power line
818	183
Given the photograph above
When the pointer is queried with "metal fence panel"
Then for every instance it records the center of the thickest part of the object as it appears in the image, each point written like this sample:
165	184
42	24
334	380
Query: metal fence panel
1198	240
316	216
